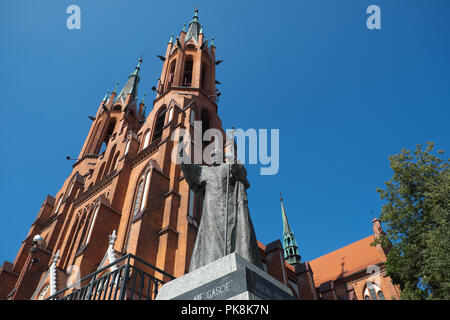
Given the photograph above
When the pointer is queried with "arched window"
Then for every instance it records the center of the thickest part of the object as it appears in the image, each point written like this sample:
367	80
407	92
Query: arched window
159	124
107	136
146	139
100	172
145	195
59	204
187	77
71	241
110	130
205	120
373	292
170	115
141	194
171	74
114	163
91	225
137	201
110	160
70	189
102	148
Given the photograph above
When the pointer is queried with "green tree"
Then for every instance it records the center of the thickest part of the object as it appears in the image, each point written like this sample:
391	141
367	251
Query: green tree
417	223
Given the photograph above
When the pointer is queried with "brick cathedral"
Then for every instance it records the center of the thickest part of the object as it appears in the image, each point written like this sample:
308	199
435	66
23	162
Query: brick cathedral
124	221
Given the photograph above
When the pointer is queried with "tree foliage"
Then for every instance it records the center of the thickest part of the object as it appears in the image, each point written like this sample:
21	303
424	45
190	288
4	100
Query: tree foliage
417	223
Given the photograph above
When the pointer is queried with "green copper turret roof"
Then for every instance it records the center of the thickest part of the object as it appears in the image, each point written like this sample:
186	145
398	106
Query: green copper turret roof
194	28
115	88
131	85
286	227
289	244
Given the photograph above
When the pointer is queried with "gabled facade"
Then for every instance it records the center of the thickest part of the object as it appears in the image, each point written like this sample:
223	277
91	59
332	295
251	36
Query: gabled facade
124	221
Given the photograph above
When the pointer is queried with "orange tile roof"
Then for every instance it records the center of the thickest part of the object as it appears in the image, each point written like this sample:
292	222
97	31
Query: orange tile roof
346	260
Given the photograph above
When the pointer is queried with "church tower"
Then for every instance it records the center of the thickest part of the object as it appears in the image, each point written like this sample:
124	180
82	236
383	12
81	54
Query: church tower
291	254
126	202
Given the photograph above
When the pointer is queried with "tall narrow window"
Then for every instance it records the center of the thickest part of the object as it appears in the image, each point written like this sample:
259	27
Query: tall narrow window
145	195
137	201
110	130
70	189
159	124
204	77
171	74
59	204
92	225
146	139
114	163
170	115
102	148
205	120
100	172
187	77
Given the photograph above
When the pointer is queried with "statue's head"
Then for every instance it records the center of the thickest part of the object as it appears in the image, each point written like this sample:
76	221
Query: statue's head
217	156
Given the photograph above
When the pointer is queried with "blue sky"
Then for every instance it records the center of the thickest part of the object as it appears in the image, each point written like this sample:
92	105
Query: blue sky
344	98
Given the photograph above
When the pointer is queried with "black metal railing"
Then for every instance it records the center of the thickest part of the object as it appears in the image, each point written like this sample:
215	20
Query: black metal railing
128	278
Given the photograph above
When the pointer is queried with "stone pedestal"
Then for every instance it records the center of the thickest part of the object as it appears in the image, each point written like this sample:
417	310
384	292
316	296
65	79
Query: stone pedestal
228	278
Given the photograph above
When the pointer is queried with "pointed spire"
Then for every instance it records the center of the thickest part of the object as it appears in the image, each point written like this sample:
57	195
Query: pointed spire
286	227
212	42
131	85
138	67
290	245
171	39
194	28
201	29
184	28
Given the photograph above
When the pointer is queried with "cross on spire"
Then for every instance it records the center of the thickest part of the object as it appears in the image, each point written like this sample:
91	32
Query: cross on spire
112	238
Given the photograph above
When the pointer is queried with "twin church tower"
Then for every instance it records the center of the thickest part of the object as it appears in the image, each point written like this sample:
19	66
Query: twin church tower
125	197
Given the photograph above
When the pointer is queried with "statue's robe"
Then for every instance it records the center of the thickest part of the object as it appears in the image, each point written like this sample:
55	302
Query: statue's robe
211	181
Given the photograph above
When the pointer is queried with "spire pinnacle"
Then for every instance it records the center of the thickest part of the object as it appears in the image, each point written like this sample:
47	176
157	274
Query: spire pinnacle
286	227
131	85
138	67
106	96
212	42
184	28
289	244
171	38
195	15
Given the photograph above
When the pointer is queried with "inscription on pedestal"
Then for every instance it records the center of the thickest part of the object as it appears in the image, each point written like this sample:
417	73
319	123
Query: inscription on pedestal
235	283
